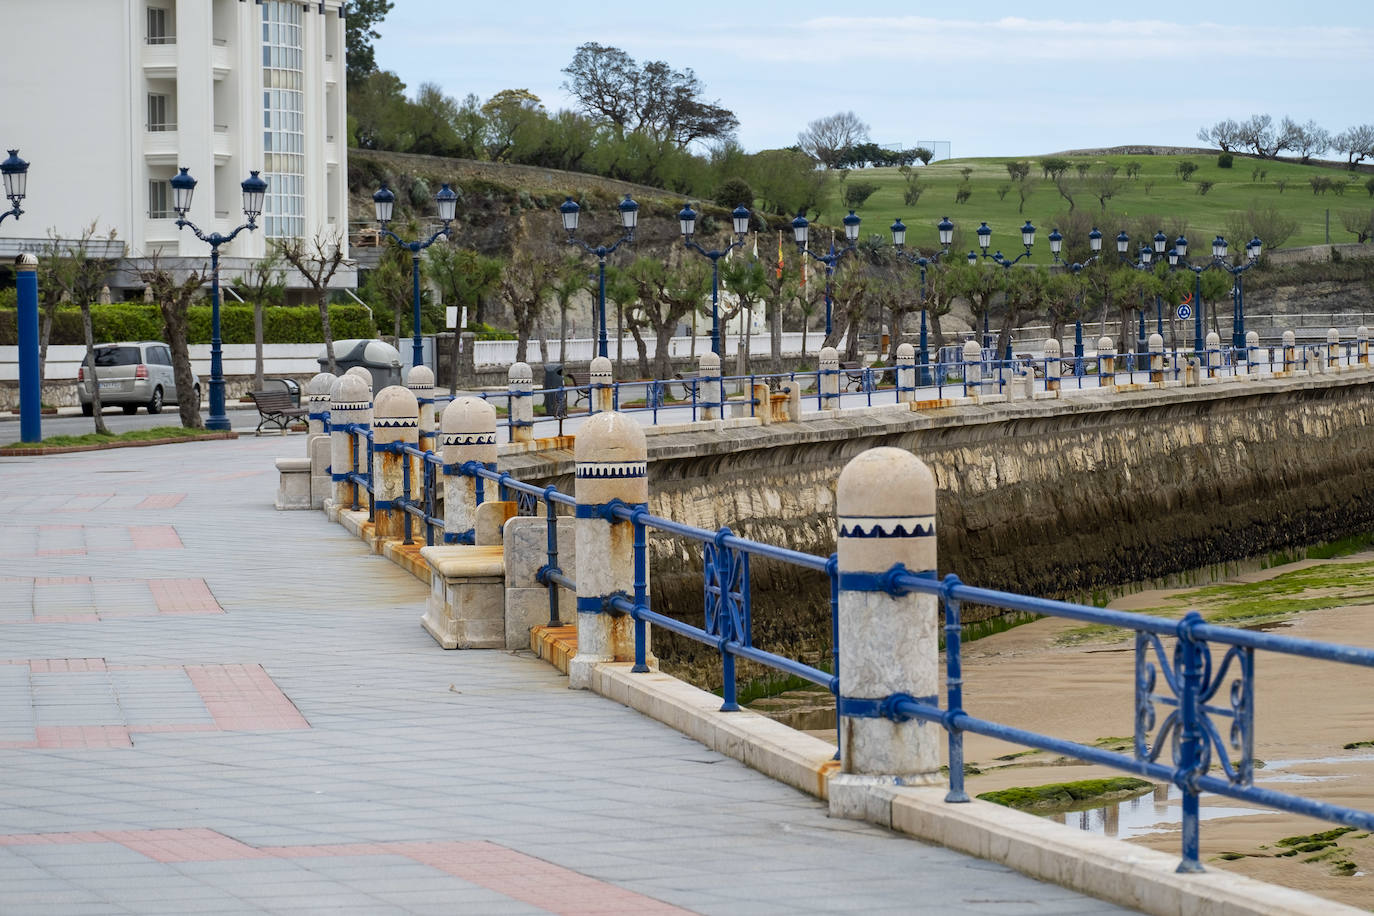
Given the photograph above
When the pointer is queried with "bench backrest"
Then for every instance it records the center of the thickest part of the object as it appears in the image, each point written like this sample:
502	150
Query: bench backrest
279	399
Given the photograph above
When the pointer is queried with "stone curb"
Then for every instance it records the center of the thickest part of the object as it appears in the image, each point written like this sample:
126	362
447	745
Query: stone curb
30	450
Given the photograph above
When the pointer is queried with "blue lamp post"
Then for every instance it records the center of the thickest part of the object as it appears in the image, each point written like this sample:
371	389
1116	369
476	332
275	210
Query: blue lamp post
629	218
1095	245
801	231
687	219
1145	261
984	232
385	201
254	190
15	172
946	230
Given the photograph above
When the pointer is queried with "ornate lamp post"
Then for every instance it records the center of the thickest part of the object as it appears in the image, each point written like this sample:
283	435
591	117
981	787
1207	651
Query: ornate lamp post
15	172
984	239
946	229
687	219
1220	260
254	189
1144	261
629	218
1057	245
384	201
801	231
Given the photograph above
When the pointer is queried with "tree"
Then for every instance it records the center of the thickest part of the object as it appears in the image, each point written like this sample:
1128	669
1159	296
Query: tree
360	20
977	284
1307	139
378	112
1272	225
1017	170
786	181
746	279
317	261
856	192
666	295
464	277
173	298
1185	169
827	140
390	284
1027	291
431	118
1225	134
506	113
525	284
1359	223
1024	188
264	282
67	270
1357	143
1104	184
654	99
1052	167
913	189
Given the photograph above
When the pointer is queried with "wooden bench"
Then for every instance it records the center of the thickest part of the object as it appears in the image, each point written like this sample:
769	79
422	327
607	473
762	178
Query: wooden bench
853	375
577	392
276	407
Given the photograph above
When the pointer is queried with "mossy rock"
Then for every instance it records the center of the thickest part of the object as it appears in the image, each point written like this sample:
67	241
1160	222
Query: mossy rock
1069	796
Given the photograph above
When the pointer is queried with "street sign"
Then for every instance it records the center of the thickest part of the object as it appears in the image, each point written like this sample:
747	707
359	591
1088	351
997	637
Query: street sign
1185	311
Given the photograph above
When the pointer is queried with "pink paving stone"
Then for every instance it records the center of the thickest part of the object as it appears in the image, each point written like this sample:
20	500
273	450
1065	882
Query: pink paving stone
185	845
59	580
154	537
244	698
87	736
68	618
65	665
161	501
183	596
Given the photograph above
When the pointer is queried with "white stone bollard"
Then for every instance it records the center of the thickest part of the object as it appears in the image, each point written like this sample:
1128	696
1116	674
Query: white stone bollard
1333	349
610	458
317	444
1053	366
1192	373
710	390
1251	352
362	373
469	434
1290	353
521	387
1156	346
1362	345
792	389
317	404
885	507
973	367
906	373
1213	354
395	423
602	381
420	380
829	377
350	403
1106	362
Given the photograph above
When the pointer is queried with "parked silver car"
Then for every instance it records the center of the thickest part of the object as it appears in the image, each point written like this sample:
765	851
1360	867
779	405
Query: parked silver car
132	375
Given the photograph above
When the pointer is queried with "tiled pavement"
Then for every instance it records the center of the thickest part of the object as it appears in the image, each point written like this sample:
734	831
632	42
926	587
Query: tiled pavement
208	706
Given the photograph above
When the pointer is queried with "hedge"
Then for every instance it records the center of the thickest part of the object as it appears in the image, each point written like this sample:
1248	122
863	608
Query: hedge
138	321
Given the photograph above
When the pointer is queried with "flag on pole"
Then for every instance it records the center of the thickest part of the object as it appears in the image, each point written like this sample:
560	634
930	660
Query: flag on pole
779	254
756	246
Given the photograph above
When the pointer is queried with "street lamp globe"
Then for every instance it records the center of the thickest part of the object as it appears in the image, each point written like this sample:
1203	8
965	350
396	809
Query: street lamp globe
447	202
1219	247
384	201
1095	240
898	234
1028	234
1254	248
183	188
1173	257
1123	242
629	214
15	172
946	229
1181	243
1056	242
254	191
1161	242
1146	252
801	230
570	211
687	221
851	227
741	216
984	236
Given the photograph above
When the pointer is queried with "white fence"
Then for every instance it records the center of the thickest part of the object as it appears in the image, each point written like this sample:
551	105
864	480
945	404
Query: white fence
502	352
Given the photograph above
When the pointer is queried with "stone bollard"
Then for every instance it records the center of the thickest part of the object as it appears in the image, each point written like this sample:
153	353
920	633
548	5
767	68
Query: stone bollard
469	434
1362	345
602	382
885	508
1290	354
350	403
1106	363
1333	349
1251	352
362	373
1192	373
1213	354
1156	346
317	443
1316	359
395	423
521	387
420	380
829	383
906	373
710	390
762	408
317	405
792	389
973	368
1053	366
611	465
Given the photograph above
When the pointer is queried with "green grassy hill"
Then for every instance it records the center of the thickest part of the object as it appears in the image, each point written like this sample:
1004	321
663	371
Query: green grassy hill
1155	192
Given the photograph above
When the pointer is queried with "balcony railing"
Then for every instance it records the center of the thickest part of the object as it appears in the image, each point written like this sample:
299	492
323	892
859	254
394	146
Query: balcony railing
160	40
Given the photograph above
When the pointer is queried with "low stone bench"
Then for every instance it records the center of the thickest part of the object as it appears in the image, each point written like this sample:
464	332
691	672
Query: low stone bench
467	596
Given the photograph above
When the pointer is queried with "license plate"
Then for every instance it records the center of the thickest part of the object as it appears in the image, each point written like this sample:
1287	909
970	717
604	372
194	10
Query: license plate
109	386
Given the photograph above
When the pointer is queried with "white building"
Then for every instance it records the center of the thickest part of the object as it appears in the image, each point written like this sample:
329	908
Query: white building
106	98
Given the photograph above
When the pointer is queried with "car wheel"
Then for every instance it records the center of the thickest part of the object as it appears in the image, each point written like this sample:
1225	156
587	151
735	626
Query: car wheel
129	408
155	405
197	400
87	410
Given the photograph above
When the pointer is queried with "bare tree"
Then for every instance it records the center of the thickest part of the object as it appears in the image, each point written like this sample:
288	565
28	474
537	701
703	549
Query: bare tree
1359	223
1105	184
1308	139
264	282
525	283
1225	134
827	139
318	260
1357	143
67	271
173	298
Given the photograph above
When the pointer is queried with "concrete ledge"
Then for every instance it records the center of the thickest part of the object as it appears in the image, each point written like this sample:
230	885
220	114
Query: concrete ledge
407	556
465	561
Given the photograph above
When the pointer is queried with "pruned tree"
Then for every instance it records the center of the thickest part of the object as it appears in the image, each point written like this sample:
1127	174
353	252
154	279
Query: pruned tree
1024	189
978	285
264	282
1272	225
1225	134
1067	189
1027	291
826	140
666	295
174	295
1018	170
1359	223
1105	184
1052	167
1356	143
463	277
851	285
317	260
1308	139
571	279
525	284
746	279
68	271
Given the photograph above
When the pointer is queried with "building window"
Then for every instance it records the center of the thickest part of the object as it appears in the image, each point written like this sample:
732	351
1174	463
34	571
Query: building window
283	119
157	113
157	27
159	199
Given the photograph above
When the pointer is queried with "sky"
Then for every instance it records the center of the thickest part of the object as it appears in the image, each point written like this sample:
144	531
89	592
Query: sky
993	78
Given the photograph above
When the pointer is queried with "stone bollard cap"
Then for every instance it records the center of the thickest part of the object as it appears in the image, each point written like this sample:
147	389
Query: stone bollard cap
351	393
362	373
885	505
1213	340
1333	335
1361	333
469	415
602	368
420	377
1289	338
1052	347
830	355
520	374
972	351
395	403
1106	343
906	351
612	458
1156	342
320	386
709	362
1252	338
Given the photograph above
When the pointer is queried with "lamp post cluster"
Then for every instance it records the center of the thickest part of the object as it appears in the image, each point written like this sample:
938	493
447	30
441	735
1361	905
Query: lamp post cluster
946	229
687	221
629	219
801	231
384	201
254	190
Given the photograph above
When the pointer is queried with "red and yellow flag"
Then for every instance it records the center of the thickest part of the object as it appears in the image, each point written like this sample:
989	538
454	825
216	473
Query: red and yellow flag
779	254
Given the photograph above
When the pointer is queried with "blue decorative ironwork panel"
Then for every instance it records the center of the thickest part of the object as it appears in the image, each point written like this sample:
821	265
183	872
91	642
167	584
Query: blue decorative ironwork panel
727	593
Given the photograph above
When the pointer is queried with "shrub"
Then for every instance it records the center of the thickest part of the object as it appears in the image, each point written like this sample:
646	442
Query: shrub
1204	186
856	192
138	321
733	192
1185	169
962	195
1225	161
